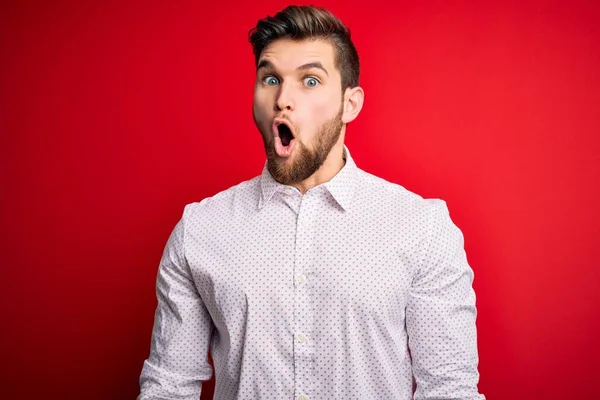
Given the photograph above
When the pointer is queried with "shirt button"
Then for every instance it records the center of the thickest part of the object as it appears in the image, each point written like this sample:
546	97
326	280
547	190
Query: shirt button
300	279
304	222
302	397
289	191
300	338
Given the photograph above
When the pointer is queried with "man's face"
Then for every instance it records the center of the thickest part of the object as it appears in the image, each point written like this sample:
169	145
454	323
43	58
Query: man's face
298	107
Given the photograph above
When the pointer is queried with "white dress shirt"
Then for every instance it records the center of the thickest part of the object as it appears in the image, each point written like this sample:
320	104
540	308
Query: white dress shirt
349	291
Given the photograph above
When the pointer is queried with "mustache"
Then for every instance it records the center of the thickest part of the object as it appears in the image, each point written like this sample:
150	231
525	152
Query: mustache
282	116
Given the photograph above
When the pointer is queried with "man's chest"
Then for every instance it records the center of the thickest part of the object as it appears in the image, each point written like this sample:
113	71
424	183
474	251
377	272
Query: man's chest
330	261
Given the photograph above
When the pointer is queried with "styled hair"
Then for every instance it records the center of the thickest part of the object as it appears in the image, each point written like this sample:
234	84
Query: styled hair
308	22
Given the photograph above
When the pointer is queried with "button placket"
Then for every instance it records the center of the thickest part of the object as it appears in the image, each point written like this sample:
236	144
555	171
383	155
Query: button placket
303	307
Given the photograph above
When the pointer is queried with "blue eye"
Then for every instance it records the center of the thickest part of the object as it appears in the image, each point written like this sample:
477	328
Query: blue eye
311	82
270	80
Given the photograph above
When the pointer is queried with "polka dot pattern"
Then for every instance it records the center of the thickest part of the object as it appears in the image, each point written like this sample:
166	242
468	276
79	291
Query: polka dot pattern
358	289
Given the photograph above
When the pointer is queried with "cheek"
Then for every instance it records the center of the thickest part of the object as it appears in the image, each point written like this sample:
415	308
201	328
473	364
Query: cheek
325	103
321	109
261	109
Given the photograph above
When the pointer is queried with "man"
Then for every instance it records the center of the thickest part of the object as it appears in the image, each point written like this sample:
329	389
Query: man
314	280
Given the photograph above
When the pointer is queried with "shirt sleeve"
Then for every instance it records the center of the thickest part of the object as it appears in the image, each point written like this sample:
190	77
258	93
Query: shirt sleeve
441	314
178	361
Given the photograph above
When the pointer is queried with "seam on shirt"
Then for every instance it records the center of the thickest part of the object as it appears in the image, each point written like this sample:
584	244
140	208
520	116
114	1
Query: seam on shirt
432	213
183	234
187	213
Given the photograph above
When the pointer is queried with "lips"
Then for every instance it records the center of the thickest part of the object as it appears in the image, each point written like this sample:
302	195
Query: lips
284	137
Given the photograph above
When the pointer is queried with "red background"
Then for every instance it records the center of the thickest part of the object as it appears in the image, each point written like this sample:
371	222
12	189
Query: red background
115	115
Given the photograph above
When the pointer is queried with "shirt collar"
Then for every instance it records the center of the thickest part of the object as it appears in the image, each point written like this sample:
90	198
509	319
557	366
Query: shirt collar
341	187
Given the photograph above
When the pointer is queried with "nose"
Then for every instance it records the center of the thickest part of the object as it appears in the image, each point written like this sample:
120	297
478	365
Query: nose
285	98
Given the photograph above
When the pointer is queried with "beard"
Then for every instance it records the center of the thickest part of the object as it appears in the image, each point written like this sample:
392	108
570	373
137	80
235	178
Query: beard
307	160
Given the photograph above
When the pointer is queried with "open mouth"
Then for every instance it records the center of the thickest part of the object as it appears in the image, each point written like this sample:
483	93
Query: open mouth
285	134
284	139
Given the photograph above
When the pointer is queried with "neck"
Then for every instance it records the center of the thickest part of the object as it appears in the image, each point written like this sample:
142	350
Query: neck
332	165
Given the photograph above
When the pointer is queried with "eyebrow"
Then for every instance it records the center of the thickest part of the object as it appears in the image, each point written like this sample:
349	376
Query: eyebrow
316	64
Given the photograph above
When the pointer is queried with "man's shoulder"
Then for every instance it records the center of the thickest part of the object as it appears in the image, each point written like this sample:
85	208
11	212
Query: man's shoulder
242	196
396	195
387	189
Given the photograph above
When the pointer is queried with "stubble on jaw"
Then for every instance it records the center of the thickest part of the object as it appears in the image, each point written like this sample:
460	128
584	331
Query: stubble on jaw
307	160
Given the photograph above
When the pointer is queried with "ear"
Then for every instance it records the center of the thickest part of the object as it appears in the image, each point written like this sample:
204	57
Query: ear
353	103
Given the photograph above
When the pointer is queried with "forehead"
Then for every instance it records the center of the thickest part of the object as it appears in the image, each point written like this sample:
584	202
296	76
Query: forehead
286	53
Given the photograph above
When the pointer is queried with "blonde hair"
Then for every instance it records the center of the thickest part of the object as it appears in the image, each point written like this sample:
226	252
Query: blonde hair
308	22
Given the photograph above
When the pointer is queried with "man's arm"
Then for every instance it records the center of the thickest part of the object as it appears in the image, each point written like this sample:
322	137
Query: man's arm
178	361
441	313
